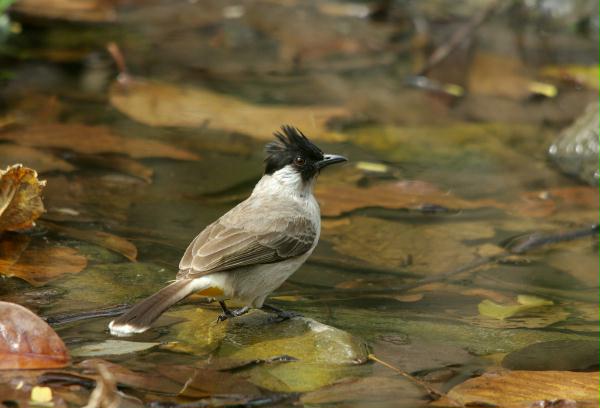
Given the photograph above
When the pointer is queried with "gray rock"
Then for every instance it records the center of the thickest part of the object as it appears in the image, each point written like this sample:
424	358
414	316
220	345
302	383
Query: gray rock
575	151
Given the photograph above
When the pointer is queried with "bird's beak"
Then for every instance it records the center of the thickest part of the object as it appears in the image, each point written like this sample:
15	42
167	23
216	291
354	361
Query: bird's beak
330	159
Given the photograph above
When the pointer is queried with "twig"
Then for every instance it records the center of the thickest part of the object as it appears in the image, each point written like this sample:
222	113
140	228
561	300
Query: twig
433	394
528	242
458	37
115	52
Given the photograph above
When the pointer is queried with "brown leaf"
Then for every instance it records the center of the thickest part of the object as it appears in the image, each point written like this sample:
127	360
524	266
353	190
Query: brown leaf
92	140
27	342
338	199
33	158
374	390
20	202
521	388
150	381
422	249
89	11
101	238
37	263
161	104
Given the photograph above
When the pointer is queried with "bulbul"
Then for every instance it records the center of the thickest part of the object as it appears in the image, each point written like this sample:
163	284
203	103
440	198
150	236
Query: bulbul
252	249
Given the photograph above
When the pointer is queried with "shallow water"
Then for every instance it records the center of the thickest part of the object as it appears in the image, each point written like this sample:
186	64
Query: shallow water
479	165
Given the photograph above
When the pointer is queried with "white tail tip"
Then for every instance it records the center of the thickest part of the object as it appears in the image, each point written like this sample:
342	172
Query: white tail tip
124	330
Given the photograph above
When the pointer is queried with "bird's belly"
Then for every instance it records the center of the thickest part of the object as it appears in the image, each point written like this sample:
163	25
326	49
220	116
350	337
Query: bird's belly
251	285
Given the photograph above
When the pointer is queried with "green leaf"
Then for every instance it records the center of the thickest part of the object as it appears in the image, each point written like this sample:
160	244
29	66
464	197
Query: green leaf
498	311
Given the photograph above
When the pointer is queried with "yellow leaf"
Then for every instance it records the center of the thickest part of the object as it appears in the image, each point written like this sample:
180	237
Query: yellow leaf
41	395
497	311
523	388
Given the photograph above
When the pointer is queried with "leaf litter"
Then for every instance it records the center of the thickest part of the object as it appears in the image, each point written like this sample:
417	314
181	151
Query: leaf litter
37	261
161	104
20	198
27	342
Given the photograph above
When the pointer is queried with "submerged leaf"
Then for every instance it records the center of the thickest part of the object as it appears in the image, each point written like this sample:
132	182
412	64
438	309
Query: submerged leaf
20	201
32	158
27	342
339	198
586	75
111	347
495	310
101	238
417	248
522	388
162	104
557	355
35	262
92	139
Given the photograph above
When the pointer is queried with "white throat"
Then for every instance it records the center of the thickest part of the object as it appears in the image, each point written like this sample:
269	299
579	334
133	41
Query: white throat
286	181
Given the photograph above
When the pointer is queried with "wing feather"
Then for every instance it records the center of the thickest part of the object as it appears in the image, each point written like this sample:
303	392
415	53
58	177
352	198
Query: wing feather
221	248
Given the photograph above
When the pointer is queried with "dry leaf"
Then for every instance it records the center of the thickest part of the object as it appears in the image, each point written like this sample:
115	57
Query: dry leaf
20	202
33	158
92	140
101	238
37	264
89	11
579	74
161	104
522	388
27	342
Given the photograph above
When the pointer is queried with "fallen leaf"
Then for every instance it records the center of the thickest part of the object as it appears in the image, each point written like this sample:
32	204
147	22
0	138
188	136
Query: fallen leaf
101	238
106	394
104	199
149	380
423	249
41	395
88	11
162	104
27	342
337	199
560	355
122	164
497	311
39	262
370	390
111	348
579	74
522	388
33	158
92	140
20	201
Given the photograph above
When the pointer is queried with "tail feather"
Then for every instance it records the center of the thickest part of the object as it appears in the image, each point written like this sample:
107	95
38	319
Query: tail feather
139	318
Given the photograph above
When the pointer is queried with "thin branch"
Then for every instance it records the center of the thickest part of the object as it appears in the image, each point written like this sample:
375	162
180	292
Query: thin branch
433	394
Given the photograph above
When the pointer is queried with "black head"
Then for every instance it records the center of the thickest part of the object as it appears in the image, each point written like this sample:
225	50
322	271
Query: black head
293	148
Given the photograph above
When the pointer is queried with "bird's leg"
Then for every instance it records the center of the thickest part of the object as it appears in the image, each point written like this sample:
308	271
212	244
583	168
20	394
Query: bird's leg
281	314
228	313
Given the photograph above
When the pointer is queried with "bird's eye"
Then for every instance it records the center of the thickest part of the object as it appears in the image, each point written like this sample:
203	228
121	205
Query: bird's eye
299	161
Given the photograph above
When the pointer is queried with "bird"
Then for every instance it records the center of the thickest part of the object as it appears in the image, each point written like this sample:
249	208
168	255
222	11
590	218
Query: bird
253	248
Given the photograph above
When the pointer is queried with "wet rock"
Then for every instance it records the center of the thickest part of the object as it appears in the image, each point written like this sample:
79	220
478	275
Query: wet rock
575	151
324	353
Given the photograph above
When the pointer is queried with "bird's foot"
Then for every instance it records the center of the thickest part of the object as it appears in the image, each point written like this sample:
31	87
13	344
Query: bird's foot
281	315
228	313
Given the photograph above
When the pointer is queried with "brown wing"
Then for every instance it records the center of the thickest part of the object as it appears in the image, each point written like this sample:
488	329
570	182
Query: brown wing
220	248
